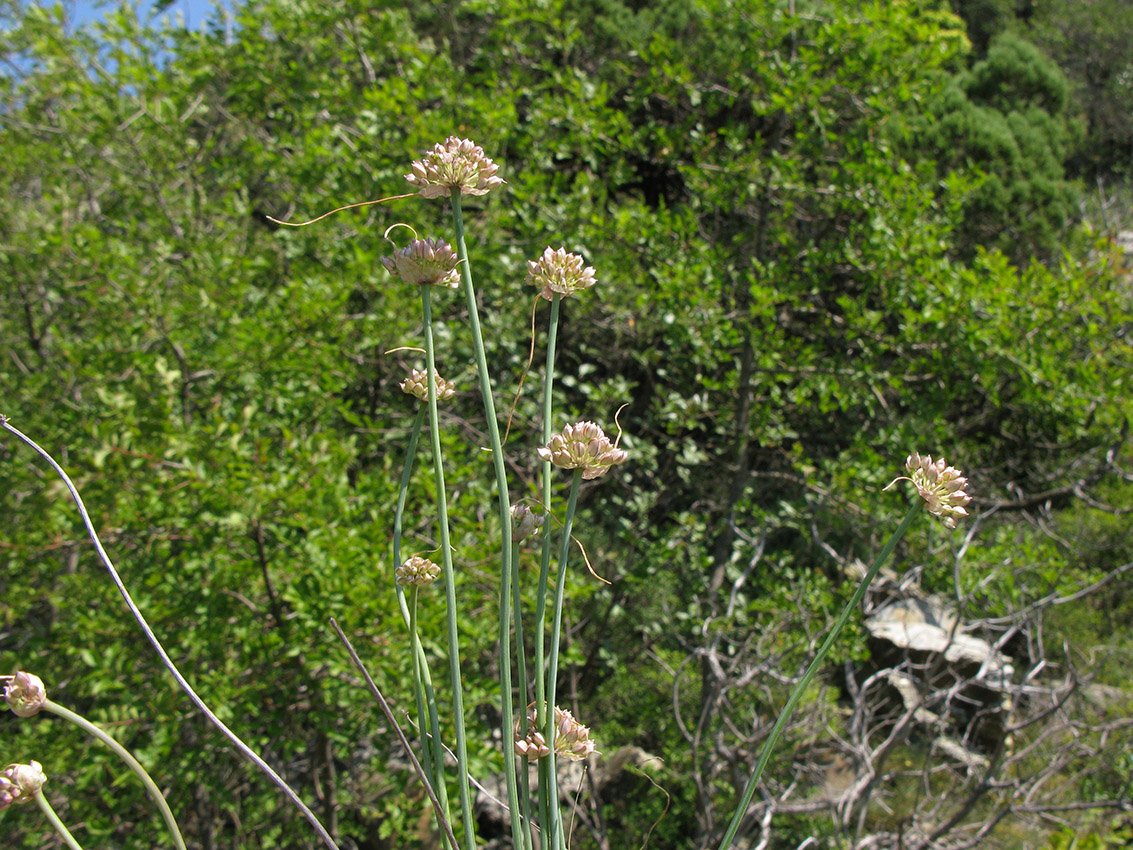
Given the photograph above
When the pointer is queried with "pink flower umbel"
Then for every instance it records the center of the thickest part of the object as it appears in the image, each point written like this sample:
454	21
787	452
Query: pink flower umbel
417	385
25	694
572	739
559	272
425	262
19	783
941	486
417	572
583	446
457	164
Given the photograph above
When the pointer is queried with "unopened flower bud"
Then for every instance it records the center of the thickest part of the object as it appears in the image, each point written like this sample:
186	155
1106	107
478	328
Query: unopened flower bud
417	572
559	272
524	522
19	783
417	385
425	262
457	164
25	694
583	446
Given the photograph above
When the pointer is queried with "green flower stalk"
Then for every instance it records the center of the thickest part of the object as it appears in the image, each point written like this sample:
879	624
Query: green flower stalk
151	787
55	822
453	635
428	718
456	168
941	491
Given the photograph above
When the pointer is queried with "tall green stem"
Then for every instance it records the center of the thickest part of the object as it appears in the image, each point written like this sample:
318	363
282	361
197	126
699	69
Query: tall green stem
433	756
507	710
545	800
131	762
59	826
553	666
804	682
450	583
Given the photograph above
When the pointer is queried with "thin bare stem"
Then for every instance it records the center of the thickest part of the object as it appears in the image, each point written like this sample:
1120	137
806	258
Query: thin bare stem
243	748
400	735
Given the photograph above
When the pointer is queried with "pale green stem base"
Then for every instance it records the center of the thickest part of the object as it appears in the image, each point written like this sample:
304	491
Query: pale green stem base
49	813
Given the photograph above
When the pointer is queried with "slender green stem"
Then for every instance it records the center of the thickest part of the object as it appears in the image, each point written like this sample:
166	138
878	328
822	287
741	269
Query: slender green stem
553	666
131	762
428	718
815	664
49	813
507	710
246	751
450	582
521	667
545	801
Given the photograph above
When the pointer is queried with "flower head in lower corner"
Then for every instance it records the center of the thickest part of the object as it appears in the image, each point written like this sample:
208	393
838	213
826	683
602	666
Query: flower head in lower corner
417	572
583	446
19	783
940	485
417	385
557	272
572	739
425	262
457	164
25	694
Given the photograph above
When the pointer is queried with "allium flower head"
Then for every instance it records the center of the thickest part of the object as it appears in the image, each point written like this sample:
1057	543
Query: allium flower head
425	262
25	694
19	783
524	522
417	572
417	385
572	739
457	164
559	272
583	446
941	486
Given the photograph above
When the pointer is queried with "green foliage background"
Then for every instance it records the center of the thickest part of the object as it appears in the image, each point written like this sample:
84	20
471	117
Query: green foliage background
823	240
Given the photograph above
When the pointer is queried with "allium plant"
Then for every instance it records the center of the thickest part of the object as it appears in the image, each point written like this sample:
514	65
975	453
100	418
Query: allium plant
544	731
